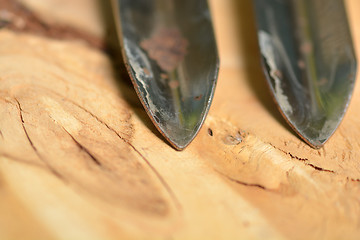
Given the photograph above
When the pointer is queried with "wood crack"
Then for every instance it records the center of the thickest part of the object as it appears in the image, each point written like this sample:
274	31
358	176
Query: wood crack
83	148
56	173
304	160
320	168
244	183
353	179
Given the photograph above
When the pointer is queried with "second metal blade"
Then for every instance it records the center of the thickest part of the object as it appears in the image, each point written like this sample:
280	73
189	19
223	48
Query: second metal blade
309	62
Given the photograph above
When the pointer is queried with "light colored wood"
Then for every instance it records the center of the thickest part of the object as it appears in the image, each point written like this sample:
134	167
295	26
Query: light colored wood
79	158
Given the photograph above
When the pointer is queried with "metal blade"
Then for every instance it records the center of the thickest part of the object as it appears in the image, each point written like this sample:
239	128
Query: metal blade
309	62
171	56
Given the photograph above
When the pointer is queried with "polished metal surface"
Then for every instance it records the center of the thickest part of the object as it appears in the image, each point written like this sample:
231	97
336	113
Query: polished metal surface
309	62
171	56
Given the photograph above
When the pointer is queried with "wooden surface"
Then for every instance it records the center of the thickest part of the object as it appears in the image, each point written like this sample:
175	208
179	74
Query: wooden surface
80	159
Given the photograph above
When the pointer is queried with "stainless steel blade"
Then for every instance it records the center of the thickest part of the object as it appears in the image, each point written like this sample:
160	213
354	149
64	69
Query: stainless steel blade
309	62
170	52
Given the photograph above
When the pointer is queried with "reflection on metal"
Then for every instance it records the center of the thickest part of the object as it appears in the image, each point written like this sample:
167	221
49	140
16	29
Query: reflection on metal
309	62
171	56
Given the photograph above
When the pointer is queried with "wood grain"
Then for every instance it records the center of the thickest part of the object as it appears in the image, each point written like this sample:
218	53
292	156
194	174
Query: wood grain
79	158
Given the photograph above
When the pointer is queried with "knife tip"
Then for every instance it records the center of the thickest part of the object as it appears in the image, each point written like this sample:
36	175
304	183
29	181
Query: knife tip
316	139
180	141
315	143
179	145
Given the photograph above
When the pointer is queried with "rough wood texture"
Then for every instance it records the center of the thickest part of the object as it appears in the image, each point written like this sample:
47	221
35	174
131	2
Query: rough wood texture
79	158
